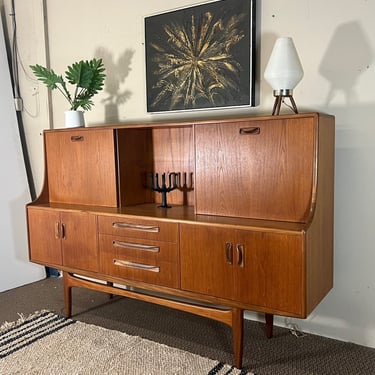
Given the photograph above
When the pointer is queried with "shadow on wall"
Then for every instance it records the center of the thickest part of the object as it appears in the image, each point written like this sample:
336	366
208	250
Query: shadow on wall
117	72
347	311
348	55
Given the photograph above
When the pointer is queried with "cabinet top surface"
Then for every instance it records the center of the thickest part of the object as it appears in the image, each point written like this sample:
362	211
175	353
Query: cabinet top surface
179	214
181	123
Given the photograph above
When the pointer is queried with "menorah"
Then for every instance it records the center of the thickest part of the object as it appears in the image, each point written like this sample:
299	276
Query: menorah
163	188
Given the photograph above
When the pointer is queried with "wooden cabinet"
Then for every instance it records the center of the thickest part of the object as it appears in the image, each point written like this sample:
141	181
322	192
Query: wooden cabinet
250	228
257	268
63	239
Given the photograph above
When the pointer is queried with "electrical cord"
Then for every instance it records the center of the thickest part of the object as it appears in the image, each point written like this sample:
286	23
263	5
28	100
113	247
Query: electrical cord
14	61
18	103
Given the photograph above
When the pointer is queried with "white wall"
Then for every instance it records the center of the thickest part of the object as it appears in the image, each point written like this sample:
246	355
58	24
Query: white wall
15	268
336	43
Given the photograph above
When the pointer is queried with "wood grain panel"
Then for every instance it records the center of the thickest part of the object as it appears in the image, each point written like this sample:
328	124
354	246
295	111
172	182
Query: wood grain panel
81	167
135	162
203	257
265	174
272	275
79	240
44	239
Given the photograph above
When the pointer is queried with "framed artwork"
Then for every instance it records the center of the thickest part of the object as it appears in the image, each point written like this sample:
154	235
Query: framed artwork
201	57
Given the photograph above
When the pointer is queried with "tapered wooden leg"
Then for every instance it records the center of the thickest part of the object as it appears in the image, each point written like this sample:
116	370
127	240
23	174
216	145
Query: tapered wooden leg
67	296
237	329
110	295
269	325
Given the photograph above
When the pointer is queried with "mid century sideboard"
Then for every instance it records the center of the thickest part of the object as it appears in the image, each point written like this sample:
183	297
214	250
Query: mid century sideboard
250	225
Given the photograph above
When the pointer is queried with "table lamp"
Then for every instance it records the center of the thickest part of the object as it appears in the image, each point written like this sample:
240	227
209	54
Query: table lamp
283	72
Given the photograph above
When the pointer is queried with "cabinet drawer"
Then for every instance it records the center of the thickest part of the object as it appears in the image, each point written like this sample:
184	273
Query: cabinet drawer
139	250
141	260
138	228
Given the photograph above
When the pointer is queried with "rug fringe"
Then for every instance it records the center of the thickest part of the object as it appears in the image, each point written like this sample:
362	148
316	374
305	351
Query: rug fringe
6	325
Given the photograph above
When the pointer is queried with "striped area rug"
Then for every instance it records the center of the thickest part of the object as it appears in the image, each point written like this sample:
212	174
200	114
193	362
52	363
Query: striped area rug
47	343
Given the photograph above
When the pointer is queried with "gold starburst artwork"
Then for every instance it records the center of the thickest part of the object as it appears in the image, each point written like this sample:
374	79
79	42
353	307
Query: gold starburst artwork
197	62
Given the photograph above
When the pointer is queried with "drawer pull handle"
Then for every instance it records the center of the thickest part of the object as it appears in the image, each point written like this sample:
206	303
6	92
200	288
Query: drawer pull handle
144	228
240	255
77	138
250	131
137	246
139	266
229	253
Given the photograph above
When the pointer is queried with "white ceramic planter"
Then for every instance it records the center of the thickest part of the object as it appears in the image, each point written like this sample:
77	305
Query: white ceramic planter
74	119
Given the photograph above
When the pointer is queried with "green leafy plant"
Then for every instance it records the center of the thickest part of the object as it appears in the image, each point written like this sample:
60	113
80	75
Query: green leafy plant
87	77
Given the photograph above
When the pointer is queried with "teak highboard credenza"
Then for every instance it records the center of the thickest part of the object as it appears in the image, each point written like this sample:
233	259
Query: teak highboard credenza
250	227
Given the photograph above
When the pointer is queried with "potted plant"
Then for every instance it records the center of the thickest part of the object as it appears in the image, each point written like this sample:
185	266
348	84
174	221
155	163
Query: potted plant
88	79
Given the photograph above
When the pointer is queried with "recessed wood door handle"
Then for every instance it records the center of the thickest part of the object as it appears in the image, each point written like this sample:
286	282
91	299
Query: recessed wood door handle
229	253
57	230
250	131
63	231
240	255
77	138
60	231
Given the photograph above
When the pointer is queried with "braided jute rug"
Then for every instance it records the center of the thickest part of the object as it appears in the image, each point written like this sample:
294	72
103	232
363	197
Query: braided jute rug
47	343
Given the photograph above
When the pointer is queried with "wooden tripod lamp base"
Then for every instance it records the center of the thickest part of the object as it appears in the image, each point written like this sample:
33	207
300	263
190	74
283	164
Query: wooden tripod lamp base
280	96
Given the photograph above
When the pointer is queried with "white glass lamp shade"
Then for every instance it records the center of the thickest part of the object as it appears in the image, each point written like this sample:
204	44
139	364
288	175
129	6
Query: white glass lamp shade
284	69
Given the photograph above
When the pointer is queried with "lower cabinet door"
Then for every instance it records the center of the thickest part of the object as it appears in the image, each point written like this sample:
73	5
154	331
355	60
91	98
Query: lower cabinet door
44	236
79	240
270	270
149	261
206	257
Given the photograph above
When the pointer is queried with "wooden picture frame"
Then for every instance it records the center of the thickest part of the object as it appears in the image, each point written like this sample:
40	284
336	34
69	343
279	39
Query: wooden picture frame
201	57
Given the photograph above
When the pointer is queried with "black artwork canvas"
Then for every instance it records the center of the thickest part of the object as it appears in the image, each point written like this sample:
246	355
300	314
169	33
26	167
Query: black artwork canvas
201	57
